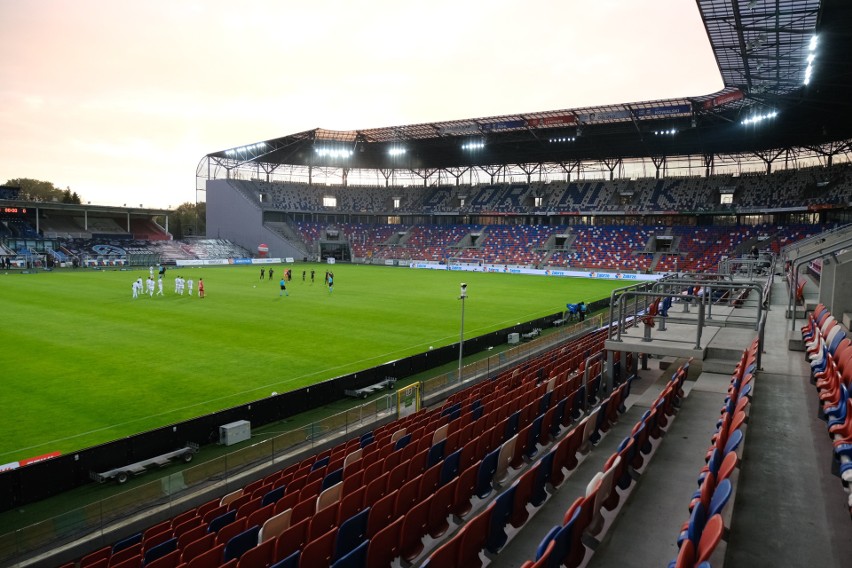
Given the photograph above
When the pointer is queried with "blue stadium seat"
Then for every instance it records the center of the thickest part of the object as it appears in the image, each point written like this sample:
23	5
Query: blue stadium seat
356	558
487	469
351	534
500	516
240	543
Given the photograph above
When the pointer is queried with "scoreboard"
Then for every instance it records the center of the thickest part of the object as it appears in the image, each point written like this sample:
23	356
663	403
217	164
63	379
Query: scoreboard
13	210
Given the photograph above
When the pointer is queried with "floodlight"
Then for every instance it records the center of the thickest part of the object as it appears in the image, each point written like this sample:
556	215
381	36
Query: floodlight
754	119
396	151
334	152
812	45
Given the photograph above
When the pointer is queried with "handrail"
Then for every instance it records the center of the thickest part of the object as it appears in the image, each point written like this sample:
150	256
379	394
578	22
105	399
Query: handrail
637	294
833	247
813	238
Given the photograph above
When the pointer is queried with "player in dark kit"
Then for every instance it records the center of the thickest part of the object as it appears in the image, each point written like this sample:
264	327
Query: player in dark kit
312	276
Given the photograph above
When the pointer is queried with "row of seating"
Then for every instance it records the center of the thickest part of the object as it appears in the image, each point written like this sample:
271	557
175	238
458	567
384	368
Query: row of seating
588	518
490	530
784	188
829	352
388	470
710	515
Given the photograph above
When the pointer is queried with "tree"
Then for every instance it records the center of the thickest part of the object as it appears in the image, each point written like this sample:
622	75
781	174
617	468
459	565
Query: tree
189	219
37	190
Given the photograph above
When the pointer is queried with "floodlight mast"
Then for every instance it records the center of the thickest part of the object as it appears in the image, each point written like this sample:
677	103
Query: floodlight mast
462	297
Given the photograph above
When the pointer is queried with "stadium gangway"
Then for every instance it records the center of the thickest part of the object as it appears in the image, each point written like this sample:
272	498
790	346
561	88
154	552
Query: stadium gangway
747	267
710	286
820	249
651	297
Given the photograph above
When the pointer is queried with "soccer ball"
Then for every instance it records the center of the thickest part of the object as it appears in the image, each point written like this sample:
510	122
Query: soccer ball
430	348
255	286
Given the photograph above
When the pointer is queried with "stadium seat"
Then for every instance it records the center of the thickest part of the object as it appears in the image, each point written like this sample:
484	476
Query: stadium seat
710	537
229	531
445	555
321	522
356	558
350	504
240	543
485	473
291	561
381	513
414	528
211	558
126	553
507	450
222	520
260	556
582	512
194	548
450	467
160	550
442	506
319	551
473	537
351	533
499	518
126	543
292	539
384	545
524	488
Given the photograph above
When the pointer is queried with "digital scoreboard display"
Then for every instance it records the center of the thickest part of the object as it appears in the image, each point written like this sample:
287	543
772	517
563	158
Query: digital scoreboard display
14	210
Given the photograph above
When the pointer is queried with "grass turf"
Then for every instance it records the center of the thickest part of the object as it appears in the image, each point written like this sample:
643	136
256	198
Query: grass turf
86	364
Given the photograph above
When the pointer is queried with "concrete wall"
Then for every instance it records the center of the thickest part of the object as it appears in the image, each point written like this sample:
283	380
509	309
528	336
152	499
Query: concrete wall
231	215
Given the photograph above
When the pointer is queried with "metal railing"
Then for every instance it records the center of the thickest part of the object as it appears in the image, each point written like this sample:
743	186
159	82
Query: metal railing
626	304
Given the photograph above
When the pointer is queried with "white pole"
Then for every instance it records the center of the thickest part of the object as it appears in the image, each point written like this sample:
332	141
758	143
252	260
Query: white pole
462	297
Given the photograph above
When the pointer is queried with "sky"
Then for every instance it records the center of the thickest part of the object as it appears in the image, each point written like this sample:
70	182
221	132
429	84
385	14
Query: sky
120	100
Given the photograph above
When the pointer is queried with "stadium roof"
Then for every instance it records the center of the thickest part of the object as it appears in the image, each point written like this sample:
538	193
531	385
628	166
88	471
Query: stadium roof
785	61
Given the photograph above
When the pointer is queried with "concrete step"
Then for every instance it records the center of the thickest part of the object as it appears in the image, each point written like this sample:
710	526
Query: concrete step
719	365
730	353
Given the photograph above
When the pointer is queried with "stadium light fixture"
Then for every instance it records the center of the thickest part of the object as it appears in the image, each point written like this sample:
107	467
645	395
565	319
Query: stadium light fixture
669	132
810	59
341	153
396	151
562	139
754	119
245	149
473	145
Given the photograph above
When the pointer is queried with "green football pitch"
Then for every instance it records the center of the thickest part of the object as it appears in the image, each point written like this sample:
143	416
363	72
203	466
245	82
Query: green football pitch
84	363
